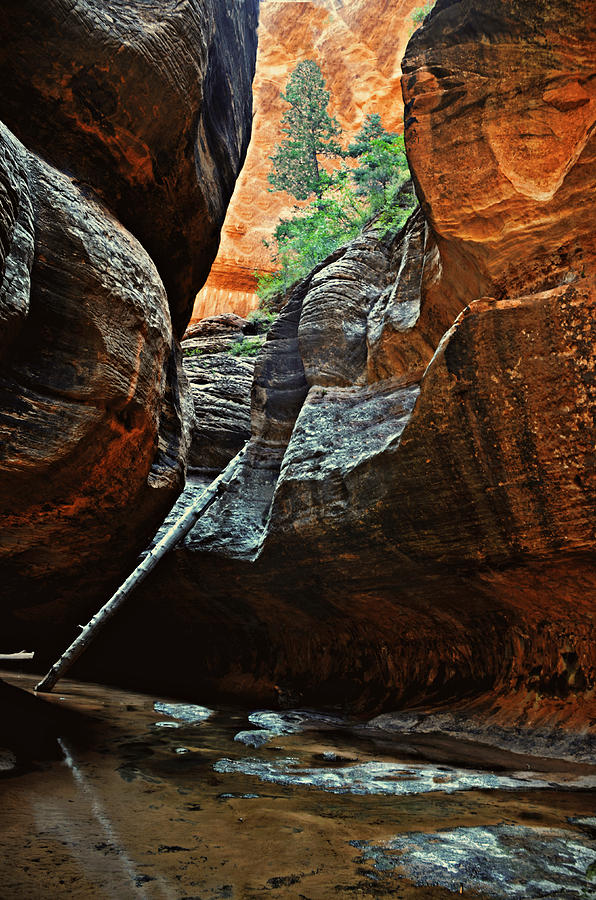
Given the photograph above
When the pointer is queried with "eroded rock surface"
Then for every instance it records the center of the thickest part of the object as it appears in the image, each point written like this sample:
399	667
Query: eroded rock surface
147	102
93	409
415	518
220	386
127	126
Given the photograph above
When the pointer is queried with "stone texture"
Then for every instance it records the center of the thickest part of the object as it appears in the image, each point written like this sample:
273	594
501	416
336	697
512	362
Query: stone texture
220	386
333	323
511	211
415	520
128	124
149	103
92	417
399	339
16	237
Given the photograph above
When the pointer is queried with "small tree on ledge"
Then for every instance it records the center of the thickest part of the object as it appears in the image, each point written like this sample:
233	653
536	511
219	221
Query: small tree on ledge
310	133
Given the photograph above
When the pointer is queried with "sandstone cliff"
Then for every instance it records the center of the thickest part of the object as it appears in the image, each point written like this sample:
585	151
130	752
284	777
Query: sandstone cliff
415	519
127	124
359	45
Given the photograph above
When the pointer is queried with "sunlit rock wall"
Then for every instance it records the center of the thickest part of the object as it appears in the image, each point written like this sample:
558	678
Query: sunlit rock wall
359	45
127	124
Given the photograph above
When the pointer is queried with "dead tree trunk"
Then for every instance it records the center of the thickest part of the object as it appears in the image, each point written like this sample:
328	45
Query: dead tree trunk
168	542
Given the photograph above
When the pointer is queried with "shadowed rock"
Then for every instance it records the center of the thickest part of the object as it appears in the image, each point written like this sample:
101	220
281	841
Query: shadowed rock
415	517
220	385
128	125
149	103
93	419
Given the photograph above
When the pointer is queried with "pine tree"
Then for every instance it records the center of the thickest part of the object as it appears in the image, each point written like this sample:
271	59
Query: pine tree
310	134
372	128
382	166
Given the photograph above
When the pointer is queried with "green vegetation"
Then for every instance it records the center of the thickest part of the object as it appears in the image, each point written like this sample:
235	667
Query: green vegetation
246	347
382	172
303	240
262	318
193	351
345	199
268	287
310	134
420	14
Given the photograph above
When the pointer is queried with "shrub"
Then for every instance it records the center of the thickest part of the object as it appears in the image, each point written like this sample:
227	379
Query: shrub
262	318
420	14
305	239
246	347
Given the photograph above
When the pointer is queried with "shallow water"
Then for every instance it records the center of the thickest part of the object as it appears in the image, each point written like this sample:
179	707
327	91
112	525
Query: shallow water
152	798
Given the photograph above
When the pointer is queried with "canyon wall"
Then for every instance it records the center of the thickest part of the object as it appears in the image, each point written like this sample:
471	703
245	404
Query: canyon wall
125	126
359	45
414	521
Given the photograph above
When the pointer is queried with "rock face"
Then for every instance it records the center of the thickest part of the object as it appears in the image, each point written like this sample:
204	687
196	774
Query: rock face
220	386
128	124
359	45
149	103
518	366
415	518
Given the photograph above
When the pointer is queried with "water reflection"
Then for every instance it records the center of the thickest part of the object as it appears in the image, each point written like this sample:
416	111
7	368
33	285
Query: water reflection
315	809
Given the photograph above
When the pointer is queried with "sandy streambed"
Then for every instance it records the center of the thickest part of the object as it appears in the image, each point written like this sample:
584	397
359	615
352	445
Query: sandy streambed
147	797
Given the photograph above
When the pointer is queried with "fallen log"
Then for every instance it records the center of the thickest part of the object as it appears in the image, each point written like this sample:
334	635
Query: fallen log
179	530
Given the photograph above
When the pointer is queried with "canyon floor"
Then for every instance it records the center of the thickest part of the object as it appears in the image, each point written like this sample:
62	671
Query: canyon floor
139	796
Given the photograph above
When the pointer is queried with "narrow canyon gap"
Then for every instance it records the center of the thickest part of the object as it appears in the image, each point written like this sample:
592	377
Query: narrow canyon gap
414	522
369	669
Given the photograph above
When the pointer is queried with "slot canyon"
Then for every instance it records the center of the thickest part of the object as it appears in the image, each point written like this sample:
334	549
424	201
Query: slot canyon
368	668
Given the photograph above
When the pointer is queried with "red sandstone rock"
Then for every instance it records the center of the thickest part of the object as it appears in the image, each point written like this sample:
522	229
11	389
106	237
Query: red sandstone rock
94	425
143	110
430	532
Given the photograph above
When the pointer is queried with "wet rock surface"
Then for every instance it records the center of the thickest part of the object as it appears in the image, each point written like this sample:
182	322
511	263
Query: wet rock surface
502	861
385	778
71	825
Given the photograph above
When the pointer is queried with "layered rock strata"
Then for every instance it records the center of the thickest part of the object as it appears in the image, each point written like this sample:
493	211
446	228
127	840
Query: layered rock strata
128	125
415	518
220	385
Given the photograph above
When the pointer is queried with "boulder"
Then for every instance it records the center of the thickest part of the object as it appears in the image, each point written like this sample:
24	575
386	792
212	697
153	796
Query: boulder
94	421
